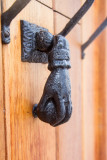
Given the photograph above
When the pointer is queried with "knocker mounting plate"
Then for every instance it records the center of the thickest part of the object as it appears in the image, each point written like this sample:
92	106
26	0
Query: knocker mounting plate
29	52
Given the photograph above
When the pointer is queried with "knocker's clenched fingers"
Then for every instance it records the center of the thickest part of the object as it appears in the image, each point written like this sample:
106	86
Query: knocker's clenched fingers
60	109
68	109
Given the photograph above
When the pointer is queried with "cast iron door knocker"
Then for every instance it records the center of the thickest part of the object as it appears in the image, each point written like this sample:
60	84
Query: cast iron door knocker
40	46
55	106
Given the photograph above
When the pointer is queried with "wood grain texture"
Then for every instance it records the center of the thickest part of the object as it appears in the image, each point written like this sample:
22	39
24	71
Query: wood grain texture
48	3
94	86
2	109
84	137
87	90
27	138
106	98
67	7
100	90
69	135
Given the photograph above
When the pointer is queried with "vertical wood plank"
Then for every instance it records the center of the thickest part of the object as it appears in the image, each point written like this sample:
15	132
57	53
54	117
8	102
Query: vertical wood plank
29	138
106	96
87	90
94	86
2	110
69	135
67	7
48	3
100	97
100	94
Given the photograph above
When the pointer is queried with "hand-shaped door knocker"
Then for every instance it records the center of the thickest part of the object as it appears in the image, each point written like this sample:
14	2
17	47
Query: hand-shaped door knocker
55	106
40	46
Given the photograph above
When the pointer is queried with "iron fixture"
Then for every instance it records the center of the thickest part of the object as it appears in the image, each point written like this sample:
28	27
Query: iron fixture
8	16
40	46
14	10
93	37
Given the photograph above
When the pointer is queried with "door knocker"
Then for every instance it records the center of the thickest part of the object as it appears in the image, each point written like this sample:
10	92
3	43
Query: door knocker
40	46
55	106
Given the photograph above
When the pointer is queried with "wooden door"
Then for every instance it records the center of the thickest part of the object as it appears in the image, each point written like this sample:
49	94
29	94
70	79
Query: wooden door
71	144
21	136
26	137
94	86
